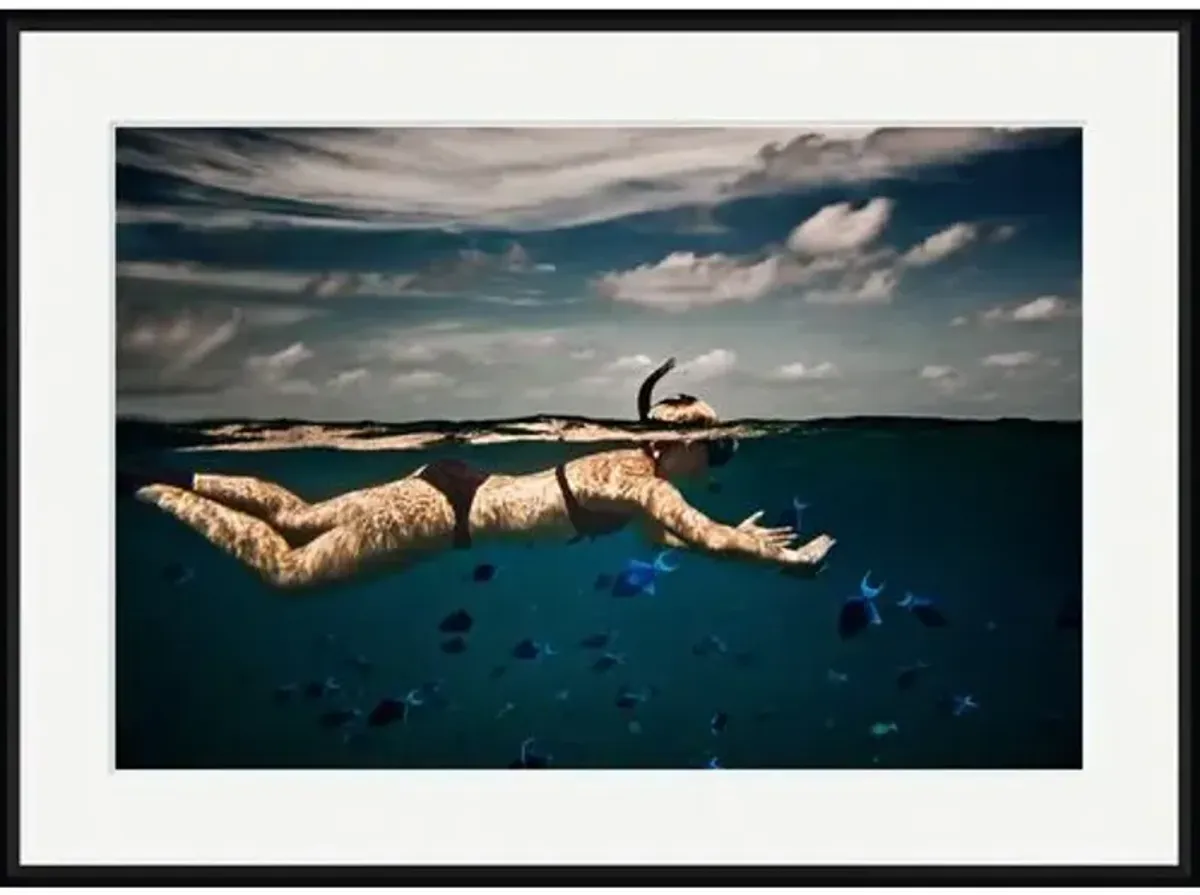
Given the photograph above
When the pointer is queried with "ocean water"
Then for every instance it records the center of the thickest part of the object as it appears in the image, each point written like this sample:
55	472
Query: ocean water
985	517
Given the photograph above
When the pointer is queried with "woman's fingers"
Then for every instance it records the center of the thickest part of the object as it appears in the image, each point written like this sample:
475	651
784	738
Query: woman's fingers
750	520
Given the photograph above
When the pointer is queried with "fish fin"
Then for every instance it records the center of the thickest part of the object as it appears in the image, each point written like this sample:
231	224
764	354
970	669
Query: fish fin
873	612
661	564
865	588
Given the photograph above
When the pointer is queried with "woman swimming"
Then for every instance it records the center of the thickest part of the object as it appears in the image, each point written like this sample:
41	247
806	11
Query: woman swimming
292	544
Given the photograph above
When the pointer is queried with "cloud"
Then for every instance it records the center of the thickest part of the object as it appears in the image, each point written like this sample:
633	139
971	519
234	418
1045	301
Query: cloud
459	344
936	372
1003	233
959	321
856	155
1043	309
508	178
347	378
180	342
710	365
683	280
420	380
1010	359
941	245
583	354
270	366
795	372
629	364
458	272
841	228
875	288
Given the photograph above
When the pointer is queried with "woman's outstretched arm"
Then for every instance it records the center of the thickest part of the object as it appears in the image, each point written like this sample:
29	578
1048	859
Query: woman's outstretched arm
677	523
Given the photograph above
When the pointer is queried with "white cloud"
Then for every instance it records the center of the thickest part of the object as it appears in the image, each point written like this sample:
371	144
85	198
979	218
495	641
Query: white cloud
959	321
477	347
941	245
420	380
710	365
1010	359
583	354
347	378
684	280
275	367
182	341
841	228
935	371
629	364
1039	310
520	178
1003	233
876	288
852	156
200	275
797	371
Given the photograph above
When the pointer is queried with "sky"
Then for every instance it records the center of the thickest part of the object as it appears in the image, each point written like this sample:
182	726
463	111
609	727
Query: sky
474	273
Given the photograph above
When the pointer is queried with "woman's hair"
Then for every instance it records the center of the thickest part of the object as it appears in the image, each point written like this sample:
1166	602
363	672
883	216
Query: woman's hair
678	410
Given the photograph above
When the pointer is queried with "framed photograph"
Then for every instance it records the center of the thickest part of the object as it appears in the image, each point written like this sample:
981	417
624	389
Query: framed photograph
408	400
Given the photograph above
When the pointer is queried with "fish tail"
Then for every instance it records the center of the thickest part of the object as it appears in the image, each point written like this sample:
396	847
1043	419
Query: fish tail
660	562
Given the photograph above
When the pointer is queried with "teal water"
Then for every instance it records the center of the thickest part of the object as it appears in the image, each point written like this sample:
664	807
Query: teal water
987	518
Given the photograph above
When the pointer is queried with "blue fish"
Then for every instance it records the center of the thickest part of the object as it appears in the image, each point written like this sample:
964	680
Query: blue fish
963	704
924	608
793	516
858	612
639	578
529	758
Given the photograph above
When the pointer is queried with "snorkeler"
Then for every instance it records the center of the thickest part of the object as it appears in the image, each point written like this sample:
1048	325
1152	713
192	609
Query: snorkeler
292	544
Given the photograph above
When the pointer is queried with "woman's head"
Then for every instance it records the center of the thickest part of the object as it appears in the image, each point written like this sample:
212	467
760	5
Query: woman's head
685	457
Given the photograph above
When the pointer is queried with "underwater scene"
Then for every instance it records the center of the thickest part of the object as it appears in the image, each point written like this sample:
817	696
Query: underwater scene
944	631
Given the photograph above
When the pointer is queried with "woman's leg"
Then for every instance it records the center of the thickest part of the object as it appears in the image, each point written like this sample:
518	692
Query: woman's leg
394	533
290	515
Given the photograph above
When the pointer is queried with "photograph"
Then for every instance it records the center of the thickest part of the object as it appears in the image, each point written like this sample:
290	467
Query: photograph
598	447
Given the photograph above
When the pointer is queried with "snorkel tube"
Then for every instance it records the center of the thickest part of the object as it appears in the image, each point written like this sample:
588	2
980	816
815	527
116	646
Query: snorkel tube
645	397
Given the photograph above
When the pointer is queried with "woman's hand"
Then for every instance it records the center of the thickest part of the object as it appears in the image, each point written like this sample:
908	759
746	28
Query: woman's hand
777	539
808	560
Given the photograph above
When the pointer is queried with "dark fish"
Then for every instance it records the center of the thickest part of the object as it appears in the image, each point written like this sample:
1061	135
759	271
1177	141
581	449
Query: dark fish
718	723
285	692
630	697
745	659
388	711
485	571
362	665
498	671
930	616
314	689
528	649
457	622
710	643
338	717
176	573
853	618
908	675
431	695
455	644
599	640
603	581
529	759
606	662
